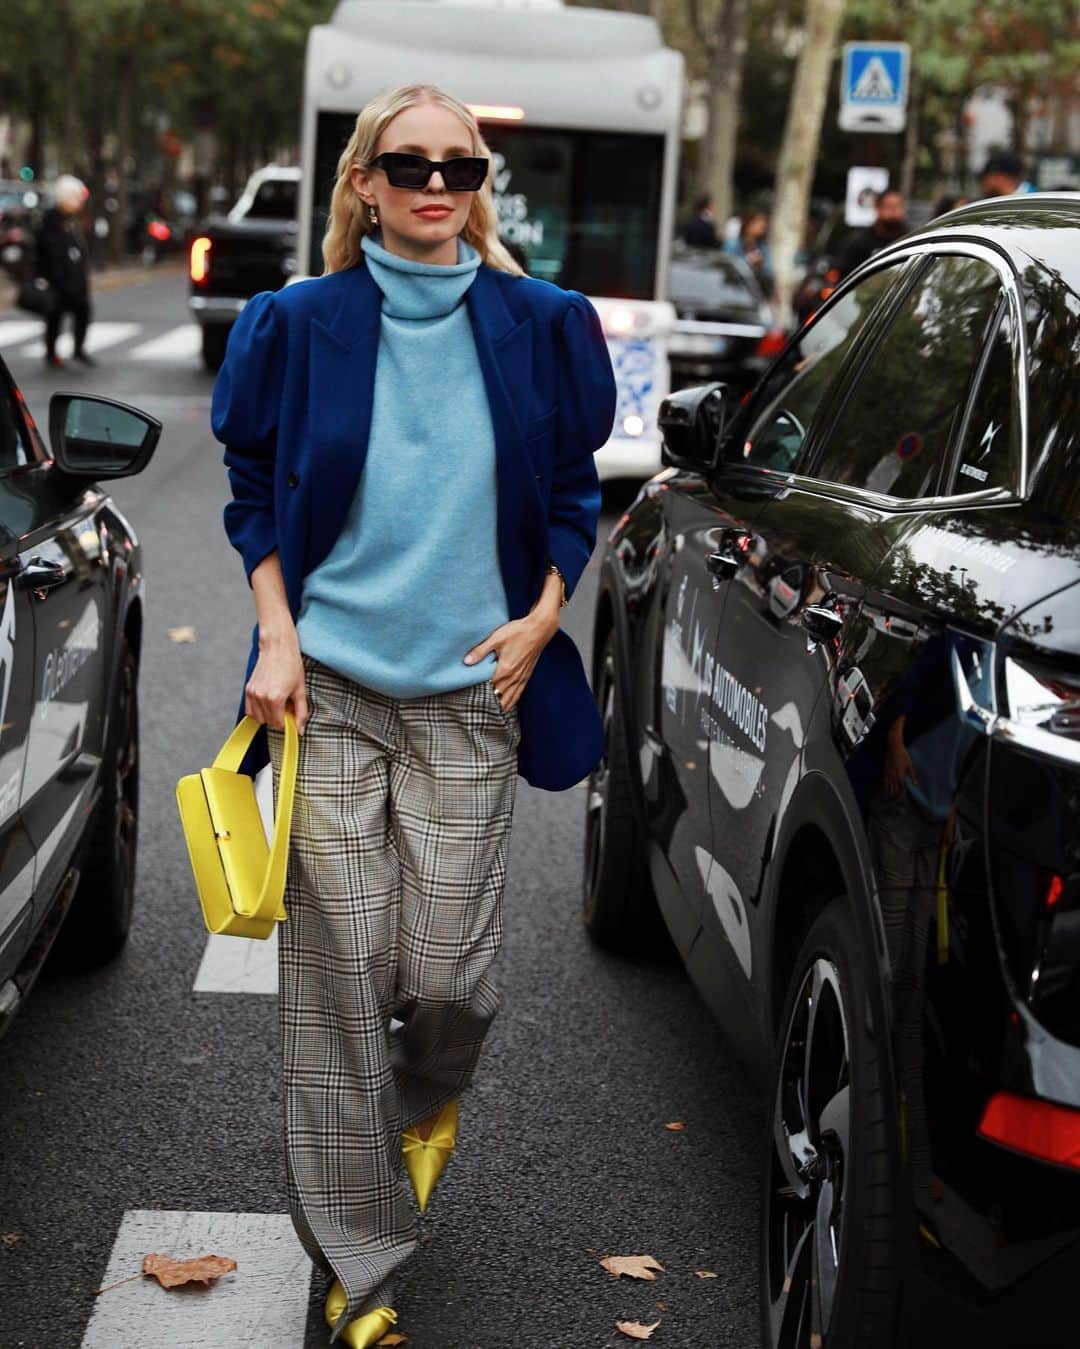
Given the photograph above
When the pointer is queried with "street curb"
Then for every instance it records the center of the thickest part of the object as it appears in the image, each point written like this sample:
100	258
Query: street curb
114	278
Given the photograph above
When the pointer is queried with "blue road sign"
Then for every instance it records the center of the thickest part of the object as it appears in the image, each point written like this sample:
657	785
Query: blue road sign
874	86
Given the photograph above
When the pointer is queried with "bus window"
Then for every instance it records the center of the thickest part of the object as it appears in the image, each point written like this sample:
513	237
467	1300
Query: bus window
583	206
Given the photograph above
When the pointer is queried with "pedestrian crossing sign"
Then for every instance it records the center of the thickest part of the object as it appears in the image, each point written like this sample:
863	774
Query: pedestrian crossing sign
874	86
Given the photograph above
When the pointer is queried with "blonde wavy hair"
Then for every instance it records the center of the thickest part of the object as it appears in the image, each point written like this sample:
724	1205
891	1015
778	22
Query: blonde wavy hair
350	218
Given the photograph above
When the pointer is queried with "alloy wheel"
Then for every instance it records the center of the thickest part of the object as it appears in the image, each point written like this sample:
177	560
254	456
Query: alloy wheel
599	781
811	1127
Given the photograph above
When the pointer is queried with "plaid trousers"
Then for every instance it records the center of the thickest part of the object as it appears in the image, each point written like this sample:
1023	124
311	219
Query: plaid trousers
397	865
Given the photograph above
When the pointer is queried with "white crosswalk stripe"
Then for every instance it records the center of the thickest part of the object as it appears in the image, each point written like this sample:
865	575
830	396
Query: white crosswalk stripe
182	343
178	344
100	337
263	1303
14	331
238	965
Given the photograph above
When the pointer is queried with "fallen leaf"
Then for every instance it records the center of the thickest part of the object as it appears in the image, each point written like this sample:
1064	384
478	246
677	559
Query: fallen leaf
636	1330
637	1266
706	1274
392	1337
182	634
661	1306
676	1124
171	1273
9	1238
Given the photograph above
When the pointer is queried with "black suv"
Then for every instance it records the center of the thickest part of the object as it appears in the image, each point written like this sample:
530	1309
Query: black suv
70	631
837	651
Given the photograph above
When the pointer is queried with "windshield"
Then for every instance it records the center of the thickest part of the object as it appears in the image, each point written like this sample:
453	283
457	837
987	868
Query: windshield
583	207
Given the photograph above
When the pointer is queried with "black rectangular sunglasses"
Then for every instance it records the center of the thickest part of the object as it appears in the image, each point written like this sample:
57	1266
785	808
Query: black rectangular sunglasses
463	173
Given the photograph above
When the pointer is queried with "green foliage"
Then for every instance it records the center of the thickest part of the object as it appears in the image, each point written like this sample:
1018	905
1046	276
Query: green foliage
233	65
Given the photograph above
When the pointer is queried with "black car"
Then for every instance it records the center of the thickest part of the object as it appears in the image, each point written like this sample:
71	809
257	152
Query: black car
837	650
71	616
232	257
724	328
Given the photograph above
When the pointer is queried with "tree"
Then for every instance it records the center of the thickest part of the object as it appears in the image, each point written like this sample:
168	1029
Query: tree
799	151
724	40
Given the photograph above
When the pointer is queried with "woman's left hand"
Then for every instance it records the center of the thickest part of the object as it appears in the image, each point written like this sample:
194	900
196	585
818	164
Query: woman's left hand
518	645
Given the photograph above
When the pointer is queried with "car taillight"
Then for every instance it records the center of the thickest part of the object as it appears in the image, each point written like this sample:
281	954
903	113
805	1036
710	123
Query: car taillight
157	229
200	260
1036	1128
771	343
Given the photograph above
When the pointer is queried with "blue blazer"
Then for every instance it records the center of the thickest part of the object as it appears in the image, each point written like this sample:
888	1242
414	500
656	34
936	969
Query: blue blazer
292	406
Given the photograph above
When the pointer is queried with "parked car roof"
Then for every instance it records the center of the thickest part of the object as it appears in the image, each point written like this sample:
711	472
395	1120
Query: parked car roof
1031	227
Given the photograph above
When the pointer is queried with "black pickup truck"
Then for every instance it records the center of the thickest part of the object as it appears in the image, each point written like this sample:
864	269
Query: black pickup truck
232	257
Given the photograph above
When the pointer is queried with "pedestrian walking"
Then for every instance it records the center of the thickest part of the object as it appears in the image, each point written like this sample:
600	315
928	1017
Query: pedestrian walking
63	260
409	441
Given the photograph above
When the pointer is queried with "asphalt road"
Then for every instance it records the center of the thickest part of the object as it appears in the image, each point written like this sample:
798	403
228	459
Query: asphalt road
128	1090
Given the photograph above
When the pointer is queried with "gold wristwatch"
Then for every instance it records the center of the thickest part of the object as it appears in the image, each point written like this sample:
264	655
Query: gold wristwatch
562	579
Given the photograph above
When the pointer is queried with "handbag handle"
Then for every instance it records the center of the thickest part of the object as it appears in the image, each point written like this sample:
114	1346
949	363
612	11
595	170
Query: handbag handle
230	757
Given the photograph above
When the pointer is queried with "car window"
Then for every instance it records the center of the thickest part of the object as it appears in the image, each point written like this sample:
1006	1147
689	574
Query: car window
275	199
905	408
796	387
989	454
15	448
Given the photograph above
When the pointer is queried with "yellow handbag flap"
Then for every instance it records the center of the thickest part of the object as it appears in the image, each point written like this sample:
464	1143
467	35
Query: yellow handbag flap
239	832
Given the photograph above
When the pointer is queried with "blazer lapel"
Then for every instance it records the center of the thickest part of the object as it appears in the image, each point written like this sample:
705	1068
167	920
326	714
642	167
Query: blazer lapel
342	357
504	350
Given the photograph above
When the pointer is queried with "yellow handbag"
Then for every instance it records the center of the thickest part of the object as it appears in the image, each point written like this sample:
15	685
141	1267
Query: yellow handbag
239	876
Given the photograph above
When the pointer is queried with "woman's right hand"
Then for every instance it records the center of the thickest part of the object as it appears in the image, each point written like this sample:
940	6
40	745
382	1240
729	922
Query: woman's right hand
277	684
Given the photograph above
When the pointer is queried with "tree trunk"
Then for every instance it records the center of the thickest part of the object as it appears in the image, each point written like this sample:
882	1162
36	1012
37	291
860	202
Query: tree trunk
125	70
70	146
802	138
38	101
911	135
727	52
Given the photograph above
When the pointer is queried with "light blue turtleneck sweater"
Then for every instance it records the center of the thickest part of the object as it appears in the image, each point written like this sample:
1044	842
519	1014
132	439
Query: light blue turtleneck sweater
413	579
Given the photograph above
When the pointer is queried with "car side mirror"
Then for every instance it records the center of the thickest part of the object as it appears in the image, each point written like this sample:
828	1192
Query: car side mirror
692	424
95	437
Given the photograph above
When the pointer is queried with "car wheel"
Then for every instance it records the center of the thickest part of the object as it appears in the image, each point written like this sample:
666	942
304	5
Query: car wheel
214	338
99	919
619	909
828	1259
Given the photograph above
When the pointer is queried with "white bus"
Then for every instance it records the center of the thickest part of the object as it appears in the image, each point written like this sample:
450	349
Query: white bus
582	110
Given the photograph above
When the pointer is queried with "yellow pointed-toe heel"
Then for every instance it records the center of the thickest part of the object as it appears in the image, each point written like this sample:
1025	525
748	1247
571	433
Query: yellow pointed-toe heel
365	1330
426	1158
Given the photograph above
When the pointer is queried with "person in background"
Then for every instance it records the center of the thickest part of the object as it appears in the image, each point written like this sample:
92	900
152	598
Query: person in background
63	260
750	244
700	230
948	202
1003	176
890	224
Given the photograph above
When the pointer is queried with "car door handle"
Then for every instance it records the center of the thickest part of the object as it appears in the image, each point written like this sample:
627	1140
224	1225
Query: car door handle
39	575
822	624
723	565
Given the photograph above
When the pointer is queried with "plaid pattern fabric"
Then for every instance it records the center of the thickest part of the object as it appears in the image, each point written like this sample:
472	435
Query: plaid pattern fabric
397	865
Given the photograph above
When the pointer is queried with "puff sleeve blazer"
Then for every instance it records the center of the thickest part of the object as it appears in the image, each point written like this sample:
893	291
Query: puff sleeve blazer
292	406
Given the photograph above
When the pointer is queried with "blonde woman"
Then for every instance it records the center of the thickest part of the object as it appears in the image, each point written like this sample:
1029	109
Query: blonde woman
409	441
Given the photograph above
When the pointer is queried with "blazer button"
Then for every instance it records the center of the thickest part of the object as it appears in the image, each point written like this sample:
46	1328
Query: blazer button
293	479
